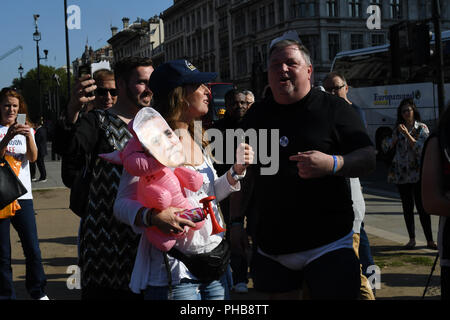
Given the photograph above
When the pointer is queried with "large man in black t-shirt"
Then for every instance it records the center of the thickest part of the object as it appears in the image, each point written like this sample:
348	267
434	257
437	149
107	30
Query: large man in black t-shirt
304	212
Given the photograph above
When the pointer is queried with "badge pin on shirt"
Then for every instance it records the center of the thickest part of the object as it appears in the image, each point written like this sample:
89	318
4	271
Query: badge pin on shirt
284	141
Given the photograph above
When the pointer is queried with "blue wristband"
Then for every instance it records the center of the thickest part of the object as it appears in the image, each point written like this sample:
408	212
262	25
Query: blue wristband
335	164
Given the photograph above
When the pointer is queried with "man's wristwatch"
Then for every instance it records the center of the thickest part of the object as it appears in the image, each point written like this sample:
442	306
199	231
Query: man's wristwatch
236	176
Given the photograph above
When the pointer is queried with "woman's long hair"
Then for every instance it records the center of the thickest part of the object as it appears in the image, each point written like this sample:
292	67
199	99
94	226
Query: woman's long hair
11	92
407	102
171	107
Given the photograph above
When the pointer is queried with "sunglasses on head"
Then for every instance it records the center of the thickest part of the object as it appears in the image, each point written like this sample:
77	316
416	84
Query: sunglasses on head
104	92
5	89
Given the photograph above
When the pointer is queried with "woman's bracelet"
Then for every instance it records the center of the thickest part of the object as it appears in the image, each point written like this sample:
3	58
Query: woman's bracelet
335	164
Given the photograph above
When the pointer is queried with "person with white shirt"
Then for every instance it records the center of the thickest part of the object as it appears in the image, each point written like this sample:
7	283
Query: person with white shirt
181	97
335	83
17	144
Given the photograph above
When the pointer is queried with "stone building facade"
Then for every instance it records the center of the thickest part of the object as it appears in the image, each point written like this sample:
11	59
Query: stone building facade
143	38
232	37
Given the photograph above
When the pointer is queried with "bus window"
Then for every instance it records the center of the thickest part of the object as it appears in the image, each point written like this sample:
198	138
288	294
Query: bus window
364	70
446	53
372	67
368	72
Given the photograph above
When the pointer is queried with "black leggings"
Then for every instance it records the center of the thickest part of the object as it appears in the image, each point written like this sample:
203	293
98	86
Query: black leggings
410	193
41	166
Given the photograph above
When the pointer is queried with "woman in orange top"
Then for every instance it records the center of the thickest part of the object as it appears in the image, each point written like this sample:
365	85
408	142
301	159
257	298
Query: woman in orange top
17	142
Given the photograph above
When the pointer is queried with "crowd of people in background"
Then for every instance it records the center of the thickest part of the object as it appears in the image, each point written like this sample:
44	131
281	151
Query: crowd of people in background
289	247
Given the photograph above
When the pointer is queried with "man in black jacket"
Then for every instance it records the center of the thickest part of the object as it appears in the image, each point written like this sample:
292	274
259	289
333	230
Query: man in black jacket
107	246
304	214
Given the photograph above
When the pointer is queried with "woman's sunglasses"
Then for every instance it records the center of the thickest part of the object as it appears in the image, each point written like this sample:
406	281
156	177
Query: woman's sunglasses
6	89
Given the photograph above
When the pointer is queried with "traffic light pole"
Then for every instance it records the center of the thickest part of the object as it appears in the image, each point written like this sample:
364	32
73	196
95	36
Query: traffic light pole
39	80
67	50
439	62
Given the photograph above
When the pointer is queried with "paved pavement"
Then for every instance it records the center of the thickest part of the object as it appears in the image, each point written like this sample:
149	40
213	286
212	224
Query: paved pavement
58	229
384	215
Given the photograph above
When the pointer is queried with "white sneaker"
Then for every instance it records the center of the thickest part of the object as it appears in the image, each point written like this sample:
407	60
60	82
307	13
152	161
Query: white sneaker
241	287
44	298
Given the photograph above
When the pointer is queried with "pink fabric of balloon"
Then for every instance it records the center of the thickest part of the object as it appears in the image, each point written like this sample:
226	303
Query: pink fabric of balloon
159	187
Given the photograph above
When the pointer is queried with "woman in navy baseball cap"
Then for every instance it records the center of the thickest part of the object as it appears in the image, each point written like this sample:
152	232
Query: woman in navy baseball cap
180	91
177	73
181	96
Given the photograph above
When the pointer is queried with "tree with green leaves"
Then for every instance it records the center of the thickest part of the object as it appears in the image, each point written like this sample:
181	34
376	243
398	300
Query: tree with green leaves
54	93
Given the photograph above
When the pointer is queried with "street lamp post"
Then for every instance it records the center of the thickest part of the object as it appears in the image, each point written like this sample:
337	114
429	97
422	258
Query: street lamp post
58	84
20	69
67	49
37	38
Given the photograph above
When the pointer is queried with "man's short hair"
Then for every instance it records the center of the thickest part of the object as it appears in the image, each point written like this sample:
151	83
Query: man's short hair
124	67
248	92
334	74
103	75
285	43
230	94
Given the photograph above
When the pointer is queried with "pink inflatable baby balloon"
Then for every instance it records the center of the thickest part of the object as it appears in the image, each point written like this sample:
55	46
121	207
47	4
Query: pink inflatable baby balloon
154	148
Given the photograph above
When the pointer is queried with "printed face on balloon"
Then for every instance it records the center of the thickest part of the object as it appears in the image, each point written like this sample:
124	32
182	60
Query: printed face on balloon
160	140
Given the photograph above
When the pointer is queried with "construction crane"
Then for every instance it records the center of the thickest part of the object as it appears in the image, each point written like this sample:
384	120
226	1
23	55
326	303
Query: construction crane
10	52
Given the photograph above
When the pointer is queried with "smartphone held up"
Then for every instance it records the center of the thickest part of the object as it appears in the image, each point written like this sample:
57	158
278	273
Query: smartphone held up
21	118
82	71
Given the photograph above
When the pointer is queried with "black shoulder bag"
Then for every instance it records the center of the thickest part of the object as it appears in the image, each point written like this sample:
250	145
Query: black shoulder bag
10	186
79	193
209	266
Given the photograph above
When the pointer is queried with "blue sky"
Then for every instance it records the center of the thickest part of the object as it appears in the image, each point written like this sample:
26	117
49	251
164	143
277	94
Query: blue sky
17	28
